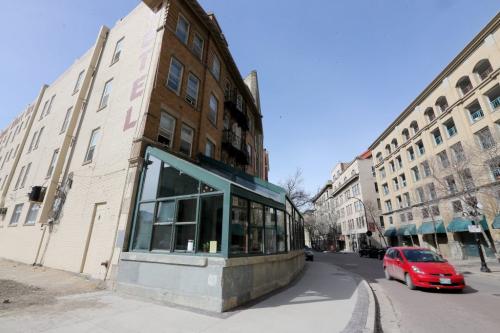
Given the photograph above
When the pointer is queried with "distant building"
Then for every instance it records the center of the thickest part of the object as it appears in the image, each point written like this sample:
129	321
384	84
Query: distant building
144	164
441	153
354	202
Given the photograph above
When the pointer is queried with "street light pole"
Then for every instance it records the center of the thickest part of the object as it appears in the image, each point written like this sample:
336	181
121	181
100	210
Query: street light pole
474	213
366	216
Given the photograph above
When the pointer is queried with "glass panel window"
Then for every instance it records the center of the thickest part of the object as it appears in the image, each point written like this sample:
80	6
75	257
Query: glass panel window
167	129
198	46
78	82
162	237
38	138
210	223
118	51
143	227
209	149
256	228
214	107
19	177
186	211
193	85
175	75
23	182
485	138
16	214
184	237
92	145
32	214
187	134
182	29
105	94
66	120
52	163
215	68
175	183
166	212
239	225
150	183
270	232
281	231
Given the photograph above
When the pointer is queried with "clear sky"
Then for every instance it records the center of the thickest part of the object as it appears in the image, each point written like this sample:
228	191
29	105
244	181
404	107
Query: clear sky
333	74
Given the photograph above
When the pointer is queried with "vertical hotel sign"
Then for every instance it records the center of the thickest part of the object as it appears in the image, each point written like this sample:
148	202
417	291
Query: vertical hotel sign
138	85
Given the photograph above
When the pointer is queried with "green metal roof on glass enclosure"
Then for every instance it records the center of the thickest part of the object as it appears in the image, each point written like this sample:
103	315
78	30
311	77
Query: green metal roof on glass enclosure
211	209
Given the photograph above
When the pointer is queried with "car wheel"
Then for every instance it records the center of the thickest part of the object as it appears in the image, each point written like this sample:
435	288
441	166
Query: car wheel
312	259
409	282
387	275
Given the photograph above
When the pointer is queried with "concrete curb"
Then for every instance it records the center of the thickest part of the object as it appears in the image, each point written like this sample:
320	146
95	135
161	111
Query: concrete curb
371	320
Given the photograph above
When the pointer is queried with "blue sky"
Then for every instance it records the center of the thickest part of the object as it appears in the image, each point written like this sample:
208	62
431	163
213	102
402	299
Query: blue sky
333	74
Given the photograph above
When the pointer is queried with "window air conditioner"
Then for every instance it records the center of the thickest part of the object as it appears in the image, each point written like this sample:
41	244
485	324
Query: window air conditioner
37	194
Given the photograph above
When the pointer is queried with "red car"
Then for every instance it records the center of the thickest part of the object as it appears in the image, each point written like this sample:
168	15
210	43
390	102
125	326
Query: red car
420	267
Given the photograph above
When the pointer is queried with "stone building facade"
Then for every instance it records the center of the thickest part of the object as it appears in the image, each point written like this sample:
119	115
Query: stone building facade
440	156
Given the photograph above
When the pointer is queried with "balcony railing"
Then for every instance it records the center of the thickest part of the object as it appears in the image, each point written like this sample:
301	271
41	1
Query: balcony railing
235	146
476	115
495	103
236	105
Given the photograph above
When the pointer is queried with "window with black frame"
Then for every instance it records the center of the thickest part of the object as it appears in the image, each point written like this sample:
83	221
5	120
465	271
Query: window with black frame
239	225
256	230
170	209
270	230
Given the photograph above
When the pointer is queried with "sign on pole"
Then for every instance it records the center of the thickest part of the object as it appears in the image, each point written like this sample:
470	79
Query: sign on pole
475	229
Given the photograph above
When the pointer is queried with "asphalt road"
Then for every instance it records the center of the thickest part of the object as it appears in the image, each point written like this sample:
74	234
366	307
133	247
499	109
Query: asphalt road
477	309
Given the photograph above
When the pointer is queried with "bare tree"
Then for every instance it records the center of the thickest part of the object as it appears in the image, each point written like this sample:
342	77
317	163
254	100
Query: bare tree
295	190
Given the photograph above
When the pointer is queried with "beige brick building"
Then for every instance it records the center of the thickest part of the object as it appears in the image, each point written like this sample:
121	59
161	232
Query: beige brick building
160	85
441	153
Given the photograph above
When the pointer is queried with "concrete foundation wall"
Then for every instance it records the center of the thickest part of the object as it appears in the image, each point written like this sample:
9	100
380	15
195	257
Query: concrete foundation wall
208	283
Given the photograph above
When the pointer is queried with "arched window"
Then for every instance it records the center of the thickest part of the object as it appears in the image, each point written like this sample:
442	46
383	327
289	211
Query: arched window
387	149
406	134
464	85
442	104
429	114
414	127
483	69
379	157
394	143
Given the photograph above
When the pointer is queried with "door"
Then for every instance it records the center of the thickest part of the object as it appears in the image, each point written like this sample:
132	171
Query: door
99	242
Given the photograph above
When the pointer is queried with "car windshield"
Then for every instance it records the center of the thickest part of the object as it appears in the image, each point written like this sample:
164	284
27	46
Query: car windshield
422	256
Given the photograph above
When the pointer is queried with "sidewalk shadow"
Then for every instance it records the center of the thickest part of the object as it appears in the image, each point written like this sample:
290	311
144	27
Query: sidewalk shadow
318	283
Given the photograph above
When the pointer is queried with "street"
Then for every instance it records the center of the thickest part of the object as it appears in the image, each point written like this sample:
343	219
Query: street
476	309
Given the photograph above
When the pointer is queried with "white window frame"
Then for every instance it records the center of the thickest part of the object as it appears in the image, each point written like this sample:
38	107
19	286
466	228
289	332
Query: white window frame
198	51
210	143
117	52
106	93
215	68
31	217
26	172
193	100
213	112
66	120
38	138
186	38
91	147
18	210
165	132
78	82
178	90
52	164
190	140
19	177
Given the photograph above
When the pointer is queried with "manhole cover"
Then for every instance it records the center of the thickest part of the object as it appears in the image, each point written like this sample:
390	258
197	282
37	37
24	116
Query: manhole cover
466	272
496	295
341	274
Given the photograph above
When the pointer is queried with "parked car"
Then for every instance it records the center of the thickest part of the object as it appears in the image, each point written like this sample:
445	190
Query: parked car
308	253
372	252
420	267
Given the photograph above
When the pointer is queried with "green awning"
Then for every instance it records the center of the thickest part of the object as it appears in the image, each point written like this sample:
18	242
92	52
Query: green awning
459	224
428	228
407	230
496	222
390	232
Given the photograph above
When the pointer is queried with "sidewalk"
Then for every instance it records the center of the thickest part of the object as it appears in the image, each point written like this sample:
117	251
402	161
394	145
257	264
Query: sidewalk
324	299
473	266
